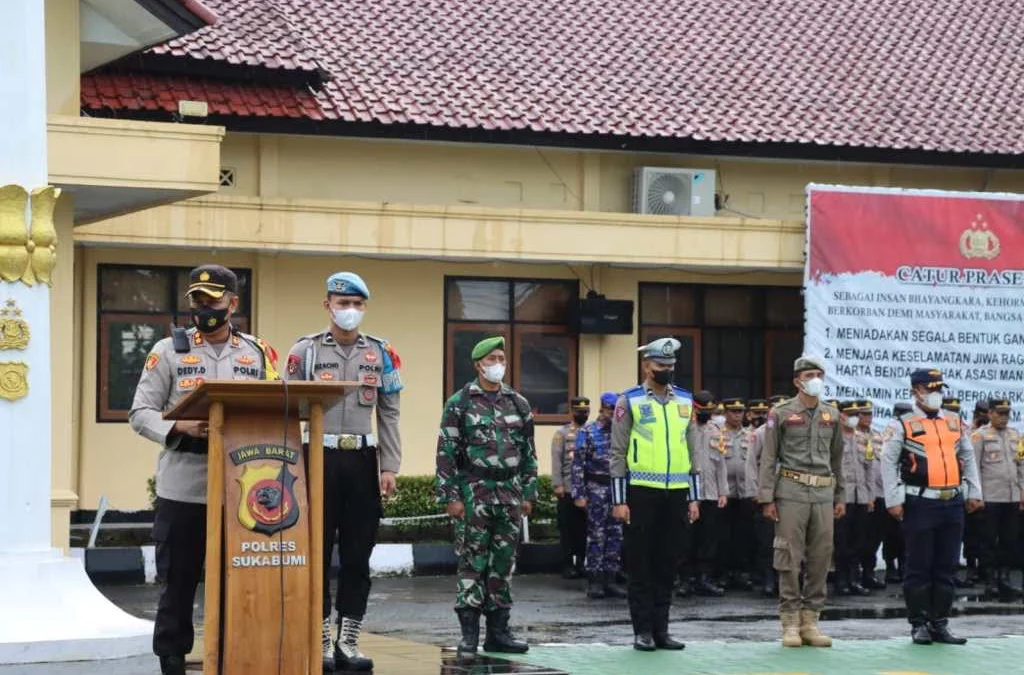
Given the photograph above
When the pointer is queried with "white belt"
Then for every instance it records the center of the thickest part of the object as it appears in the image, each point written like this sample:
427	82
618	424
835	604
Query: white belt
944	494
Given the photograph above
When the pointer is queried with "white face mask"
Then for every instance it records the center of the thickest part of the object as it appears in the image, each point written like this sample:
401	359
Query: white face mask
852	422
718	419
494	373
933	401
814	386
348	319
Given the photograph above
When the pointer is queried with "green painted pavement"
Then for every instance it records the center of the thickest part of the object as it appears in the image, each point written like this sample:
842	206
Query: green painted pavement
988	656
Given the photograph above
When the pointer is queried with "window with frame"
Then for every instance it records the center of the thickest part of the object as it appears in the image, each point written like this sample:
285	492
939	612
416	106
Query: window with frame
540	350
737	340
137	305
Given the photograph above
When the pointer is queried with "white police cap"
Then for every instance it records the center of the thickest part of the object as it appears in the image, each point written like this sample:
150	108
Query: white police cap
662	350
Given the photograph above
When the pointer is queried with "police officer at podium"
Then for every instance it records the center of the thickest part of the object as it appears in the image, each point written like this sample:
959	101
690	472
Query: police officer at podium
359	467
211	349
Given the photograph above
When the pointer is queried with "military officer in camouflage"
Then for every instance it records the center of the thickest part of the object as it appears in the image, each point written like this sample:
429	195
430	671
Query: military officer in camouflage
801	487
655	489
359	467
487	478
212	349
592	493
572	521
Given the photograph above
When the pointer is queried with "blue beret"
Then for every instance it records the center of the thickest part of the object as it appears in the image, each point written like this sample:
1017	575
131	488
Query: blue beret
347	283
609	398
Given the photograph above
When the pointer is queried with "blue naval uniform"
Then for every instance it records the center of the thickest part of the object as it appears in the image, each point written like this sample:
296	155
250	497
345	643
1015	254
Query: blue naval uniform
591	480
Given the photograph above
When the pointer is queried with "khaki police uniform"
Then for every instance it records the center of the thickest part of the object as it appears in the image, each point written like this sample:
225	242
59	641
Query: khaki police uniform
175	367
735	531
572	521
352	503
801	472
1000	459
851	532
700	555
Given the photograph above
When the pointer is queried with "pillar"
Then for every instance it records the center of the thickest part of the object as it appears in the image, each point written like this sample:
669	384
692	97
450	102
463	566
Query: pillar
52	612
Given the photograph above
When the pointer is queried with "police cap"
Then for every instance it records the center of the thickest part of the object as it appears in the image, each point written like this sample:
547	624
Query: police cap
347	283
212	280
704	401
580	403
609	399
808	362
999	405
734	404
931	378
757	405
662	350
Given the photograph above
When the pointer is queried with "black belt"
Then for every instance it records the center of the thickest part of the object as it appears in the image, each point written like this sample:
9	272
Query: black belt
599	478
193	446
491	473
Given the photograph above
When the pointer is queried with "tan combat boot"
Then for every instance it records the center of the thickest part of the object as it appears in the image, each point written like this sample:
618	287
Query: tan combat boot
809	633
790	629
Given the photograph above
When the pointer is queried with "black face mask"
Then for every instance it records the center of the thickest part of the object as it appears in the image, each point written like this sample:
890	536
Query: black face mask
663	377
757	421
703	417
580	418
208	319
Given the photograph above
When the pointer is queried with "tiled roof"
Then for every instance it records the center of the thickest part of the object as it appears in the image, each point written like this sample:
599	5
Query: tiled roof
940	75
151	93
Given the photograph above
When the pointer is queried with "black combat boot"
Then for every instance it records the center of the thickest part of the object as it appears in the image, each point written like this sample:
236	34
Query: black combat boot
347	656
855	586
662	640
942	607
919	603
707	588
499	638
1007	591
612	589
842	581
684	587
595	585
172	665
992	582
469	623
869	581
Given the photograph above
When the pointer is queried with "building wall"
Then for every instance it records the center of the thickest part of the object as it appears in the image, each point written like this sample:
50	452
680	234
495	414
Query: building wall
407	308
545	178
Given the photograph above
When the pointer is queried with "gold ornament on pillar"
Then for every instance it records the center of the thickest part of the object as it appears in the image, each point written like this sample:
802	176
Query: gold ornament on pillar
14	331
28	255
13	380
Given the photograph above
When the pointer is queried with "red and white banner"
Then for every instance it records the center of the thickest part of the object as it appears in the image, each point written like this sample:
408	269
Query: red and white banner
902	279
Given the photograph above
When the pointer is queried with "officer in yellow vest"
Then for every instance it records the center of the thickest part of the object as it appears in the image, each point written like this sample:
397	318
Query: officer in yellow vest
655	490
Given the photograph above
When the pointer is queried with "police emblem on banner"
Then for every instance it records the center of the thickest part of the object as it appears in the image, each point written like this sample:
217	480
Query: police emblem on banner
267	502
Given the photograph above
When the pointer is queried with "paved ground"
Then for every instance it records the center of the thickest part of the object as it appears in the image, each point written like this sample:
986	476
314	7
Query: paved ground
735	635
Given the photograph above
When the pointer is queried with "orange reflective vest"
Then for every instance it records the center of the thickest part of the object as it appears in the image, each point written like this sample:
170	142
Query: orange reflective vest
929	451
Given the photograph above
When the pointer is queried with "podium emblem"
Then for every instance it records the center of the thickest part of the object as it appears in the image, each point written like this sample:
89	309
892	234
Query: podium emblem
267	503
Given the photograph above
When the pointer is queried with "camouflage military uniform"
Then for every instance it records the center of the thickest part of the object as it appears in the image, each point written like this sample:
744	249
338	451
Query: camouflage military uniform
486	460
591	481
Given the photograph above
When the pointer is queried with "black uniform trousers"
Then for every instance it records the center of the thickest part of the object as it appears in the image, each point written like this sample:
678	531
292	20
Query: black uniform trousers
572	531
736	536
179	532
893	549
973	535
933	531
875	533
1000	529
851	540
657	525
352	512
700	546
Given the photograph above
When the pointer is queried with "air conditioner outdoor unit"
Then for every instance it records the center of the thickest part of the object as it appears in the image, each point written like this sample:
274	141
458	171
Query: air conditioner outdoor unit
674	192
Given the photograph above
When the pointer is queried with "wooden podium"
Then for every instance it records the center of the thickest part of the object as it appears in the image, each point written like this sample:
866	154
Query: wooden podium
264	524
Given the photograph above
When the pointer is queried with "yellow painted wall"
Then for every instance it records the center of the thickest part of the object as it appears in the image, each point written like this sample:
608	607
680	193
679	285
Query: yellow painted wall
563	179
62	57
407	309
63	376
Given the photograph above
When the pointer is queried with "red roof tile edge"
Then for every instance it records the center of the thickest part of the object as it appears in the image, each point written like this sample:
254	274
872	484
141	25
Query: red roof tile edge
204	13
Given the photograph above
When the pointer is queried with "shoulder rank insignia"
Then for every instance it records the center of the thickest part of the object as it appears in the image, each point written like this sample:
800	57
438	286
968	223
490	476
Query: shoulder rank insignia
953	424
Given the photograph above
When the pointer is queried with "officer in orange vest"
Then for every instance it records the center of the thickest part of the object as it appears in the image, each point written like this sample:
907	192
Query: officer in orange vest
922	456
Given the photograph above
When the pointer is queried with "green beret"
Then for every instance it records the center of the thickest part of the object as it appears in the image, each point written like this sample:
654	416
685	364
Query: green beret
486	346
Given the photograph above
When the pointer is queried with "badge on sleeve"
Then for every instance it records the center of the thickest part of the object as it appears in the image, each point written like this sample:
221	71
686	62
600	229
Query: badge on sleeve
151	361
620	411
684	410
293	363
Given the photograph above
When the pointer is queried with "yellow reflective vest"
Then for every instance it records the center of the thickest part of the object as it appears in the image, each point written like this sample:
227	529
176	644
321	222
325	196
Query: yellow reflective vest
658	455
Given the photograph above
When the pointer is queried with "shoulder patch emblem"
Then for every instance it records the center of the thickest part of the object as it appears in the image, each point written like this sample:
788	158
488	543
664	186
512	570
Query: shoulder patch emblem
151	361
293	363
684	410
620	411
189	360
